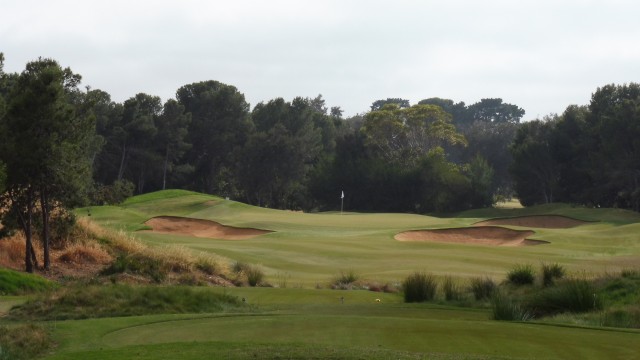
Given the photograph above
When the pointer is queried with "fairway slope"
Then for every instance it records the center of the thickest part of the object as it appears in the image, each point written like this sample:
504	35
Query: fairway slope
200	228
481	235
535	221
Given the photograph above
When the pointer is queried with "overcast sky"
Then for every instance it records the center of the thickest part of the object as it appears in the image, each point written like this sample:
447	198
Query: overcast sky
541	55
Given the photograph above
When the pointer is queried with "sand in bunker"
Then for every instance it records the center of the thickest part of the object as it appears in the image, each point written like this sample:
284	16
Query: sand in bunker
480	235
536	221
201	228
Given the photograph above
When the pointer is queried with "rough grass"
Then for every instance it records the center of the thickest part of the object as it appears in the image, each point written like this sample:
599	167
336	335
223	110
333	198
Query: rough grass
23	342
18	283
503	308
96	301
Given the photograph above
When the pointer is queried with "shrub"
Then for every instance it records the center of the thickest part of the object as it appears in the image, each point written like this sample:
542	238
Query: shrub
575	295
345	280
505	309
521	275
551	272
23	342
483	288
419	287
254	275
452	291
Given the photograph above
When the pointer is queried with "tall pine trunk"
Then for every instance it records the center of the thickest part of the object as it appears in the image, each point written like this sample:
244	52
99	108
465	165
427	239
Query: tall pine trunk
122	161
44	204
164	169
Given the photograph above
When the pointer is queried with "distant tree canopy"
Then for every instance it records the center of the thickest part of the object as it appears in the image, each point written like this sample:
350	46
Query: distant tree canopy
588	155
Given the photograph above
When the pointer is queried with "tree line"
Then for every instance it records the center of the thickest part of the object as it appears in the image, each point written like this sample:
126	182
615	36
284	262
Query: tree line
588	155
62	145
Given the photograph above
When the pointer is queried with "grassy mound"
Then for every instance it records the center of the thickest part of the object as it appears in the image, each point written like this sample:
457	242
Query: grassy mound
97	301
17	283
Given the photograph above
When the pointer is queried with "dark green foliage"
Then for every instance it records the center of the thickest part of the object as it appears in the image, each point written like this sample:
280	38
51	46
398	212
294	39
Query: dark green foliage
23	342
139	265
550	273
574	295
113	194
589	155
505	309
419	287
483	288
95	301
521	275
16	283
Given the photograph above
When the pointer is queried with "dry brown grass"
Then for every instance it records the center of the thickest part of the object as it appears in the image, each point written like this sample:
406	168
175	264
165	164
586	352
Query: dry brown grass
93	247
91	253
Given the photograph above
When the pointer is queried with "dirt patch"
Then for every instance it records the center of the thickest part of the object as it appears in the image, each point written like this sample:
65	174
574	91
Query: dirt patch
201	228
480	235
536	221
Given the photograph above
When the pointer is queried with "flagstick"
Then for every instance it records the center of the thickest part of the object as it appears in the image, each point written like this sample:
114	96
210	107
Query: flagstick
341	205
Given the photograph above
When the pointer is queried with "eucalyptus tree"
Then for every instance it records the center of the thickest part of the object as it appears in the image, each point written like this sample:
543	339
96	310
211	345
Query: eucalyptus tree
405	134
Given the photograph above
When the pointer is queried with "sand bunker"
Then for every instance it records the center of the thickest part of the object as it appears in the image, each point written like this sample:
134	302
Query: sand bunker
480	235
201	228
536	221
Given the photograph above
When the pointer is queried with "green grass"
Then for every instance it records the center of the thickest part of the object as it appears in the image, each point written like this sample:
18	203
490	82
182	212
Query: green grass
301	320
307	319
17	283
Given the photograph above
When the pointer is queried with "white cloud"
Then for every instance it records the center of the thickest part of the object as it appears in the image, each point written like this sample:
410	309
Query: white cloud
541	55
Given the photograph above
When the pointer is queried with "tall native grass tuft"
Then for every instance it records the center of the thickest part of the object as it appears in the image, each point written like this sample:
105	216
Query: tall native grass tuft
505	309
521	275
551	273
483	287
451	289
419	287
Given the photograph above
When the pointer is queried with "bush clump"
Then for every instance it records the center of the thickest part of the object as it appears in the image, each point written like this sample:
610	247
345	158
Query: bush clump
521	275
551	273
483	288
419	287
253	274
345	280
574	295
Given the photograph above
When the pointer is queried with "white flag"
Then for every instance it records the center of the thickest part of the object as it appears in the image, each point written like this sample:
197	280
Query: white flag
342	197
